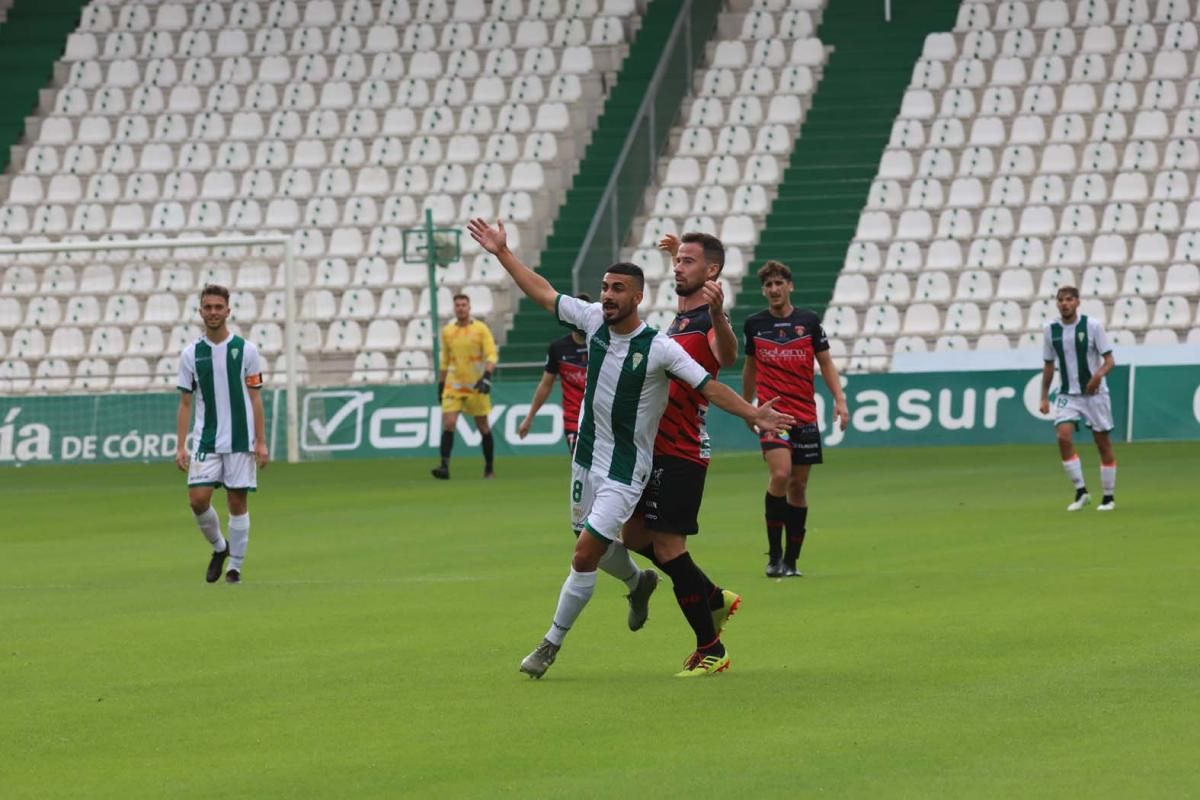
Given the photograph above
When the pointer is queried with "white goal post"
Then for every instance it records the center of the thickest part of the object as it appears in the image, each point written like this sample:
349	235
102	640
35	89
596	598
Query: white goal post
291	349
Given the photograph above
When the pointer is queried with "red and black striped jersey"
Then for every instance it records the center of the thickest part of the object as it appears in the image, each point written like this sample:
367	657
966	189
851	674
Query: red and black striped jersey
784	350
568	359
682	432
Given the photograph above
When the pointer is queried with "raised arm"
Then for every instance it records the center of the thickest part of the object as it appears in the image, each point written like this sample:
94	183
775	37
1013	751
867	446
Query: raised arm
495	241
721	340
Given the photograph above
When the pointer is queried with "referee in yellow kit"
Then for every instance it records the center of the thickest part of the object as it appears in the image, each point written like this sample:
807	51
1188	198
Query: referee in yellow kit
465	382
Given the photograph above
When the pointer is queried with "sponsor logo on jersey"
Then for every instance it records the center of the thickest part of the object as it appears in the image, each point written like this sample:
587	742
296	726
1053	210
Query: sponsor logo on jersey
637	360
800	329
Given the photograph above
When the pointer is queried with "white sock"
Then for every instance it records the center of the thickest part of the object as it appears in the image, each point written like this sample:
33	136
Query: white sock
1108	477
618	563
239	537
210	525
576	591
1074	470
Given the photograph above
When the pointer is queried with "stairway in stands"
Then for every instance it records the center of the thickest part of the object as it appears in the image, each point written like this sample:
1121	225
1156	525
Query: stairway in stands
533	328
32	37
826	183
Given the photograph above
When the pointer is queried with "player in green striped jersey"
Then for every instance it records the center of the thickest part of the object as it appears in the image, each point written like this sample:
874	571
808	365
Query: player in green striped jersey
629	368
1078	346
221	376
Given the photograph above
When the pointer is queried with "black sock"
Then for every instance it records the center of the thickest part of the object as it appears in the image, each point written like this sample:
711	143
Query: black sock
689	583
447	446
648	552
777	513
796	520
715	597
488	450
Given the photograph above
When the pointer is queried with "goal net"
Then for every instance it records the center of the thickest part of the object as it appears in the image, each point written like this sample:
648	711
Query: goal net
91	332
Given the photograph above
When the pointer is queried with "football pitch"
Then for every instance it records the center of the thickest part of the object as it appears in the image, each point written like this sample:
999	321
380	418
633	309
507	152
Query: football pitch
957	634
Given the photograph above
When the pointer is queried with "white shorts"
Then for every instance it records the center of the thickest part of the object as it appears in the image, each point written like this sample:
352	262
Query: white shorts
599	504
1094	409
231	470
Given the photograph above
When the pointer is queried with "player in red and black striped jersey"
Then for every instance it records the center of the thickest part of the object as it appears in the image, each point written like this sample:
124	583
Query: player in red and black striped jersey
784	347
566	358
668	511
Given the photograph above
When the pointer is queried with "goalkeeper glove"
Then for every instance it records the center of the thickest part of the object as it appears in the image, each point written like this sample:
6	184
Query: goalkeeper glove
484	384
441	389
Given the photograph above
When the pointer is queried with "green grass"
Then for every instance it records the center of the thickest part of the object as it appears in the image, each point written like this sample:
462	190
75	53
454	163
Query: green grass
958	635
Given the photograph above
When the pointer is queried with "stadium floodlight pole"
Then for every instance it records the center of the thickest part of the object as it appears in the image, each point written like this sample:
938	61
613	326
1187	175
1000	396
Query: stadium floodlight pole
431	262
291	347
1129	413
93	246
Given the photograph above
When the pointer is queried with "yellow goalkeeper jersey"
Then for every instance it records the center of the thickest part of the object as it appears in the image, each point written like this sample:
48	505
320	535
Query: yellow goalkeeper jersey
466	350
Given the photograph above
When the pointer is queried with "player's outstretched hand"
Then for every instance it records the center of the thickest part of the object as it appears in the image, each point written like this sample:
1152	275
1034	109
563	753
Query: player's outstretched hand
182	459
523	428
491	239
261	456
714	295
768	419
669	244
841	413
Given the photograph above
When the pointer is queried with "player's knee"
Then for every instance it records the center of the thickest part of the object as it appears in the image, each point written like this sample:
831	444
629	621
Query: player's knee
667	548
199	506
586	559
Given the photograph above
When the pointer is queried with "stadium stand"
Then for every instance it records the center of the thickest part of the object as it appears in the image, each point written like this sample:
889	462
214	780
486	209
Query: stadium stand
336	122
736	133
1038	144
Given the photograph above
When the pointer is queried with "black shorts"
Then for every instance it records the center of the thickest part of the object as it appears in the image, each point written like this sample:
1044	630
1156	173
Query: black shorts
671	500
571	436
803	440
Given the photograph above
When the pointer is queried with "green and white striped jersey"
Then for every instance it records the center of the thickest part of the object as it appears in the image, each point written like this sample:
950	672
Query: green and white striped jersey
1078	349
224	374
627	382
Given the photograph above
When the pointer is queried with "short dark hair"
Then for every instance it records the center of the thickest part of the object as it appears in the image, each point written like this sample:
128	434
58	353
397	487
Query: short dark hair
714	251
774	269
1070	291
461	296
584	296
214	289
633	270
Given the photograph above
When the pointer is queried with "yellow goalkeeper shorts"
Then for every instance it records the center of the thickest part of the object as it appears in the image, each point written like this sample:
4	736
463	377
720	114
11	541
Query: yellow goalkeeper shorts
475	404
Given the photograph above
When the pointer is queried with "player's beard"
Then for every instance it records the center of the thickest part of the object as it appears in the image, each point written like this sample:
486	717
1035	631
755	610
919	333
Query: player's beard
683	290
620	314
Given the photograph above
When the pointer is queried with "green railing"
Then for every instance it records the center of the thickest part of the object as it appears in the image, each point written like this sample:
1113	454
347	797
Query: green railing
635	166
